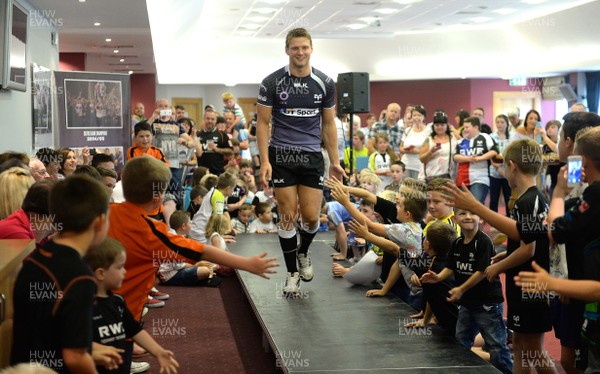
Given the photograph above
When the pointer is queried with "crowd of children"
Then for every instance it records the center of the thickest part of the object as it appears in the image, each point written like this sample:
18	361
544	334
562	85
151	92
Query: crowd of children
424	242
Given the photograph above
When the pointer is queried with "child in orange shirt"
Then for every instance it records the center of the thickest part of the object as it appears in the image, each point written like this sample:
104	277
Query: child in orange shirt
143	144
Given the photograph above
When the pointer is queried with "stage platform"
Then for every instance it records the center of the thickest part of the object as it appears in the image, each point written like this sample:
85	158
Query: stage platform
334	328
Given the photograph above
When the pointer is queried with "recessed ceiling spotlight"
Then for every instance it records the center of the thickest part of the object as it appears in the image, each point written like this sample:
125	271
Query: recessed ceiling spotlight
505	11
82	1
251	26
116	51
481	19
356	26
122	60
386	10
258	19
368	19
108	40
130	72
265	10
97	23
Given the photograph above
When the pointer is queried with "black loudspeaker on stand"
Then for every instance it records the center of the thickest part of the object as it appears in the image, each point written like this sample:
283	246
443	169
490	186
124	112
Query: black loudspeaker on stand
353	93
353	96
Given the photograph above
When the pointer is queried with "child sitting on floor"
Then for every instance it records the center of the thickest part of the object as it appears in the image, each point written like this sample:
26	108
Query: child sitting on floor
241	224
263	223
218	226
176	272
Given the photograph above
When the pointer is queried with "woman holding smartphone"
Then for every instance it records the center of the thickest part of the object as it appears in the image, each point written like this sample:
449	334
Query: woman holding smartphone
437	150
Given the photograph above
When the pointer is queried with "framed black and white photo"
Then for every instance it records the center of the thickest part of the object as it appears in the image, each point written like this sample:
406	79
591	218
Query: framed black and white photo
92	109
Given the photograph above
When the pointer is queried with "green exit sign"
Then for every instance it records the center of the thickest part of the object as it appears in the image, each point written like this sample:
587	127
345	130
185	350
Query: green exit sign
520	81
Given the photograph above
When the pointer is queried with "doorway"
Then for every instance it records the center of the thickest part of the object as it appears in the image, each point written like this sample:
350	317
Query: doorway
505	101
193	106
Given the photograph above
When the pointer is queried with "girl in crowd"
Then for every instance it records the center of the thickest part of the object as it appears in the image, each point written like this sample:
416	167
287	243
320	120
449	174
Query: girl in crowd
498	182
437	150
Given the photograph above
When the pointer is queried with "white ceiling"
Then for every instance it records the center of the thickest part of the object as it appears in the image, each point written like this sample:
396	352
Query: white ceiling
222	41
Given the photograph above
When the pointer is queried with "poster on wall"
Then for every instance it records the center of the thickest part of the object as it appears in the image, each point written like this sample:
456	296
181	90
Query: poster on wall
93	111
41	89
93	104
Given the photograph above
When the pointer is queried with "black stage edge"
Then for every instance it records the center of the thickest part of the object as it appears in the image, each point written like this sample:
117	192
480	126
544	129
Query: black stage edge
334	328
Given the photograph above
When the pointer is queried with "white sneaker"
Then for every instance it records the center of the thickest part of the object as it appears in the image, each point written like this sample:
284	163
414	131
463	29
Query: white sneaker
305	267
139	367
292	285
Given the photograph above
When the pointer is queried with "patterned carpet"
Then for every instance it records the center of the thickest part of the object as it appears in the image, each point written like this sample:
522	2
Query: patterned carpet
210	330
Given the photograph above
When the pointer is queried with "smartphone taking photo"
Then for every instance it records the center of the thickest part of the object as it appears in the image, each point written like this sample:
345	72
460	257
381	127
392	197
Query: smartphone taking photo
574	171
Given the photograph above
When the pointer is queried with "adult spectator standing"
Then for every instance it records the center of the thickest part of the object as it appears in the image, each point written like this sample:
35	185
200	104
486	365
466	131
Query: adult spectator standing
300	102
341	128
215	144
168	135
229	105
179	112
437	151
514	119
577	107
138	114
161	104
411	145
389	127
480	113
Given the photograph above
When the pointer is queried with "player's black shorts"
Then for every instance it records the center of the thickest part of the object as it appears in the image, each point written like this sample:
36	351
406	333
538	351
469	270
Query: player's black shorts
528	317
292	166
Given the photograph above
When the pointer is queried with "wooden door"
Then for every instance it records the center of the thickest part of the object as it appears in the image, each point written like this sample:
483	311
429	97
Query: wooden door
248	105
193	106
505	101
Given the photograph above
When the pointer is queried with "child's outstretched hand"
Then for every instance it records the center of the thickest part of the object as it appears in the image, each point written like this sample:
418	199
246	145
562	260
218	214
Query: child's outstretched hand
332	182
261	265
340	193
358	228
460	198
533	281
430	277
167	362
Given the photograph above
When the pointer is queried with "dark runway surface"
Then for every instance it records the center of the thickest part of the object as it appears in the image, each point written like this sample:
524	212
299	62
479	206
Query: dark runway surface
333	327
